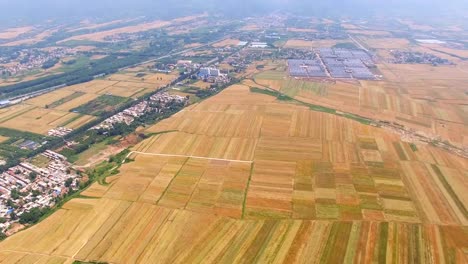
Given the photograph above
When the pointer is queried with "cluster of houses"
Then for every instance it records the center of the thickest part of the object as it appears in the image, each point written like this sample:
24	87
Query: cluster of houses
30	59
157	102
406	57
59	132
27	186
184	65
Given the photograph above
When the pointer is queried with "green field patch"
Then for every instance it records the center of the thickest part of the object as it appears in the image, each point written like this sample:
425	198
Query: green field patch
362	179
393	192
318	167
84	156
449	189
368	143
375	164
303	209
102	104
40	161
400	151
382	246
298	186
385	173
325	180
271	75
232	197
293	87
65	99
413	147
263	213
335	248
327	211
365	188
370	202
350	212
400	213
71	120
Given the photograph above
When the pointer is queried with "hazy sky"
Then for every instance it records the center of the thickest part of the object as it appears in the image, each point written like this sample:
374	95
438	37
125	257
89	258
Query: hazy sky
52	9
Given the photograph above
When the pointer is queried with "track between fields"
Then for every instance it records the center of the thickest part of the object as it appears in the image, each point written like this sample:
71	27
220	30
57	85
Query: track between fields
183	156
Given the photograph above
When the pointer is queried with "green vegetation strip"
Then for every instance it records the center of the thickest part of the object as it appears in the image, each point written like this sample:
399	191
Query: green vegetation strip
335	249
313	107
383	237
71	120
101	105
65	99
7	118
449	189
246	189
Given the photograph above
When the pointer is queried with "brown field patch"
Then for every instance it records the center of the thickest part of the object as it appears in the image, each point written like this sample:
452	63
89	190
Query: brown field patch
100	36
32	40
296	43
380	33
386	43
310	30
226	43
14	32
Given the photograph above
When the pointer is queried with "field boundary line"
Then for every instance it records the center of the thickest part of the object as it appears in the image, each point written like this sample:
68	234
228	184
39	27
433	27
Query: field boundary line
185	156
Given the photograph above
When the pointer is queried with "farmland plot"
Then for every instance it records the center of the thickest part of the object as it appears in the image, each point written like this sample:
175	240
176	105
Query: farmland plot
243	178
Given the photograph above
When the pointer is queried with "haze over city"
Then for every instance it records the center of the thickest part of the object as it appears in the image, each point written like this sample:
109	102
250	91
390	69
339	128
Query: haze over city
279	131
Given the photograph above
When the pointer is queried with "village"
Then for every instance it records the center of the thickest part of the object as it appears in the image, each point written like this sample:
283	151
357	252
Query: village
156	103
31	59
404	57
27	186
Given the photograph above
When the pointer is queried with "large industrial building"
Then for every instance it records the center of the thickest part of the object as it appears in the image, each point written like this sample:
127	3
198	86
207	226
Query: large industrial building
334	63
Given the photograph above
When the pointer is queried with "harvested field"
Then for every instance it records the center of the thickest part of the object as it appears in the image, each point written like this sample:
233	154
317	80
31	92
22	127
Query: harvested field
14	32
102	35
88	25
431	103
32	40
379	33
295	43
38	120
301	30
226	43
99	236
49	98
76	102
385	43
91	87
269	181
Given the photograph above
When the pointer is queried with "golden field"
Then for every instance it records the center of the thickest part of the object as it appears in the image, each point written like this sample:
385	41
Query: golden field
53	109
14	32
422	97
101	35
226	43
242	177
328	43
